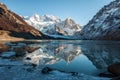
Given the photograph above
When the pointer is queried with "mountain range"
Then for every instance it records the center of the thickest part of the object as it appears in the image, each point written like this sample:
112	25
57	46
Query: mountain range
105	25
54	26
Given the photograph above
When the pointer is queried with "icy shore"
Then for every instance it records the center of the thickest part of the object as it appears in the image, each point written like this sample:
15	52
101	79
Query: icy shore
16	70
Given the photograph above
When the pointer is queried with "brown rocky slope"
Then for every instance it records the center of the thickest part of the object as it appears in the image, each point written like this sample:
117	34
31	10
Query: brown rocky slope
16	26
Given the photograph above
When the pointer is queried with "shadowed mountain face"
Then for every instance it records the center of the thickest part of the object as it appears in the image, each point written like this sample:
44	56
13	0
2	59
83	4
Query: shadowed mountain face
17	27
105	24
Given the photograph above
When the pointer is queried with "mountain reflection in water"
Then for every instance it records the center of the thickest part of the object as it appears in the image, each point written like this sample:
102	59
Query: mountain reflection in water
89	57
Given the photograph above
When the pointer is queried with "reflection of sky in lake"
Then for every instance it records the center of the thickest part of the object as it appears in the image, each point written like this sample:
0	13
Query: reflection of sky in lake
80	64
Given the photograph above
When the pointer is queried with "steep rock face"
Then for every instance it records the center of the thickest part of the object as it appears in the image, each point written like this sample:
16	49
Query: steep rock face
105	24
52	25
9	21
60	31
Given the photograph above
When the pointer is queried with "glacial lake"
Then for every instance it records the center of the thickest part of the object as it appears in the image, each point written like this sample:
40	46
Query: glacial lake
87	57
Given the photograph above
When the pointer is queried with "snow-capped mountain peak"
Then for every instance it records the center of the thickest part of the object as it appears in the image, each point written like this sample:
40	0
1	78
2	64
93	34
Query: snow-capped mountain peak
36	15
35	18
52	25
70	23
68	18
48	18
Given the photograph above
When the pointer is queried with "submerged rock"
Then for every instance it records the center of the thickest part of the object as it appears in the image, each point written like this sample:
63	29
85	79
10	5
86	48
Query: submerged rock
106	75
46	70
3	47
34	65
28	58
116	78
114	69
20	51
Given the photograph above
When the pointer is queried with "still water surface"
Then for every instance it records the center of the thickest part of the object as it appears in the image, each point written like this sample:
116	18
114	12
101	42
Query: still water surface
88	57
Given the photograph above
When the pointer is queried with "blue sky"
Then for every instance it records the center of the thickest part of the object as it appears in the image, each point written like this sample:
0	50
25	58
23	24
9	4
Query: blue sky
79	10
